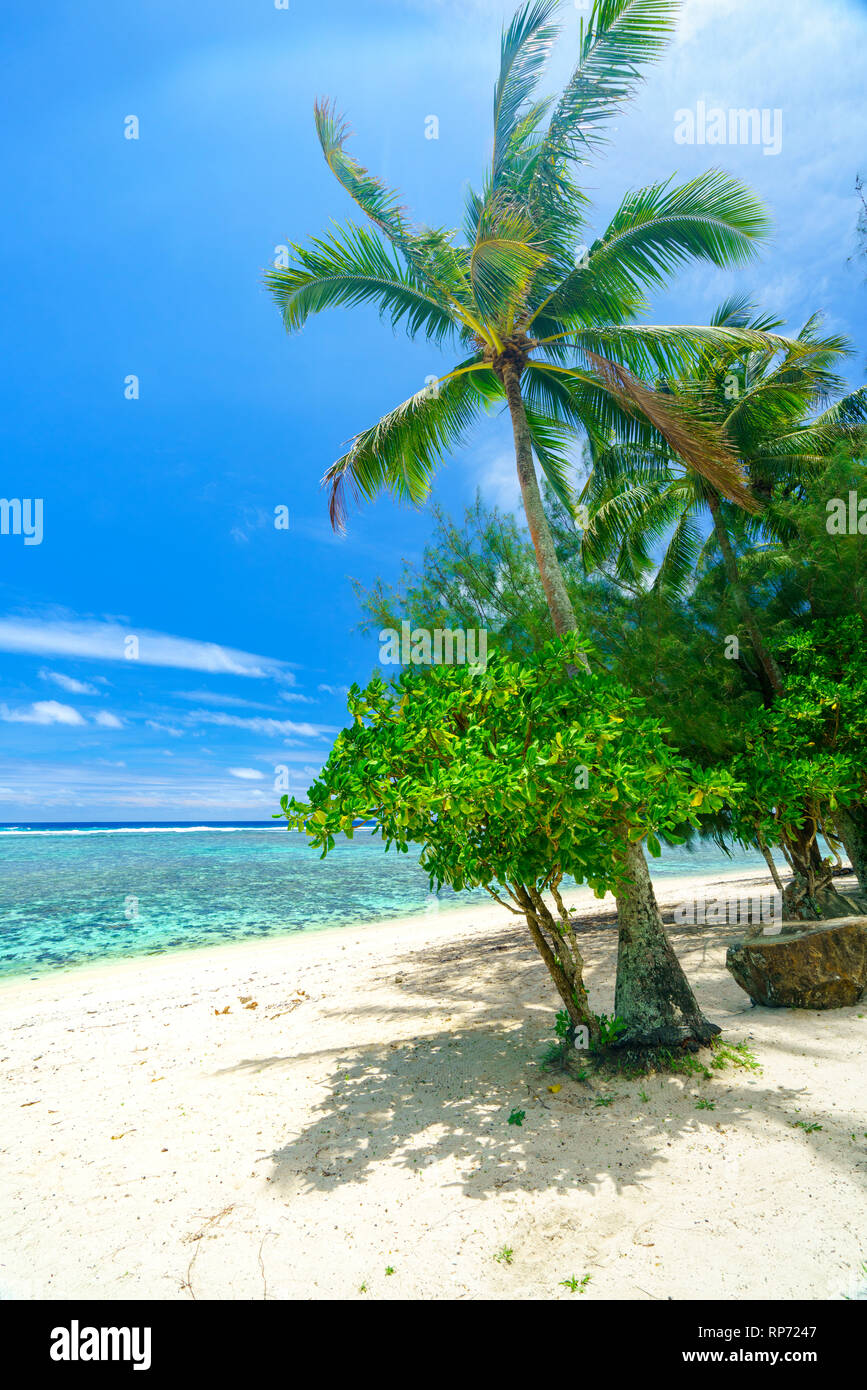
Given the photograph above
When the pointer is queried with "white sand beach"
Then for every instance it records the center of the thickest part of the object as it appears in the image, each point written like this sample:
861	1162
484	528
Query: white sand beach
163	1138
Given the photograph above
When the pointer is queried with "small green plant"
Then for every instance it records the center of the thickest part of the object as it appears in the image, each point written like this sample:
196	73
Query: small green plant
733	1055
517	1117
362	1288
610	1030
705	1104
505	1256
806	1126
634	1065
576	1285
644	1096
604	1100
563	1025
389	1269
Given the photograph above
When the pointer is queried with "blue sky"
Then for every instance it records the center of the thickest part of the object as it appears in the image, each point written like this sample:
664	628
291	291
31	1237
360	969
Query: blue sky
144	257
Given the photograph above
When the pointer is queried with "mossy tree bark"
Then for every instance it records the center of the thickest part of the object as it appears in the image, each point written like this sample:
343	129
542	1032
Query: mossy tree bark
652	994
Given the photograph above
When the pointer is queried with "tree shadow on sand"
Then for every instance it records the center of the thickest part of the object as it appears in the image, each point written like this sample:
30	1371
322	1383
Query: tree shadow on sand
444	1094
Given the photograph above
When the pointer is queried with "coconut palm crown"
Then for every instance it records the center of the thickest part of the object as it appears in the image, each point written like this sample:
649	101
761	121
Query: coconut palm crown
544	316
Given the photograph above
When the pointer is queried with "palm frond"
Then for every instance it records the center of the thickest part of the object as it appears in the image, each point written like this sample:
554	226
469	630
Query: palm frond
500	270
615	531
401	452
552	443
618	38
427	250
654	232
738	311
524	52
694	440
847	414
380	203
354	267
677	569
661	349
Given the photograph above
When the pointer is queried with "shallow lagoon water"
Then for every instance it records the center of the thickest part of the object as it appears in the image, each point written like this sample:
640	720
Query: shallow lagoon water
79	894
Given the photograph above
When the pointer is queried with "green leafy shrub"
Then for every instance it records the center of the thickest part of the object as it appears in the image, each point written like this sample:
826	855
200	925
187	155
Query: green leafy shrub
509	778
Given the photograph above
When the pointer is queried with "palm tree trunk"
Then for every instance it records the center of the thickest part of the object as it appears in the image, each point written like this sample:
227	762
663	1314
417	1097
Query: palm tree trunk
742	603
559	603
652	995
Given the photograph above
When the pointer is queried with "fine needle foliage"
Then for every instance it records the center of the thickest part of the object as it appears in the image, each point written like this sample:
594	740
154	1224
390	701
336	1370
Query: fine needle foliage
510	778
804	765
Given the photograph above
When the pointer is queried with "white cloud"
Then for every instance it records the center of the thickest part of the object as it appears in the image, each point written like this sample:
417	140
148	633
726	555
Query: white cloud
339	690
272	728
107	721
109	641
247	774
68	683
42	712
110	791
498	479
164	728
53	712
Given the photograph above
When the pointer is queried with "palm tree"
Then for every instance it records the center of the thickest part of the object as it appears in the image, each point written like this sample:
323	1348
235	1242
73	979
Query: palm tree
783	411
545	316
763	403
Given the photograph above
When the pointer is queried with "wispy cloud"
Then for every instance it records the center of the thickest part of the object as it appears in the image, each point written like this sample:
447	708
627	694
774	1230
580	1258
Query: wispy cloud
42	712
247	774
498	479
53	712
68	683
109	641
272	728
213	697
253	519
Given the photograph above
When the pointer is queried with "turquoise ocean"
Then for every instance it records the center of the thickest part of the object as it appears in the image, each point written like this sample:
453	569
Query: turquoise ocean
78	894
